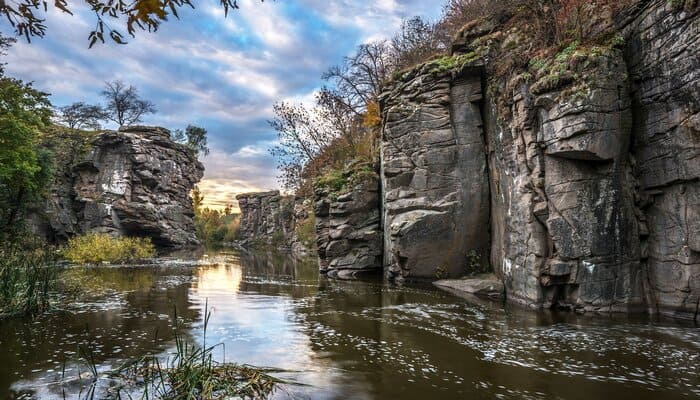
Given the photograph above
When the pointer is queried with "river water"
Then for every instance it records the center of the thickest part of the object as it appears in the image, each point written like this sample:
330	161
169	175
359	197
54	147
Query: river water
346	340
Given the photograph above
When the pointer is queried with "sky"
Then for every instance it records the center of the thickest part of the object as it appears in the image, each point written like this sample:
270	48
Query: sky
223	74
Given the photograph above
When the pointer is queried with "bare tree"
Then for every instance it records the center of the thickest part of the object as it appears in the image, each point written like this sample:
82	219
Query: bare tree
302	135
81	116
358	80
124	106
416	41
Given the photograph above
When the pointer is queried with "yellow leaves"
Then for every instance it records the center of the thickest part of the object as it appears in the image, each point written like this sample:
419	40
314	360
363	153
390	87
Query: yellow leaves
96	248
372	117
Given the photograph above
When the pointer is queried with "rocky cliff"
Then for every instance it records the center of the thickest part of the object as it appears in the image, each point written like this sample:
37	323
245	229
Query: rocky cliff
581	173
348	229
266	217
573	177
135	181
434	175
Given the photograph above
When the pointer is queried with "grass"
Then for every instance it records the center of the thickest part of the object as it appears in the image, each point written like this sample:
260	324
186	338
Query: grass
338	182
191	374
97	248
27	278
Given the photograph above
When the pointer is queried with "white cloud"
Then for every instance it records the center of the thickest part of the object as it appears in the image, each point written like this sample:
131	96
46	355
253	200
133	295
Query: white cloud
221	73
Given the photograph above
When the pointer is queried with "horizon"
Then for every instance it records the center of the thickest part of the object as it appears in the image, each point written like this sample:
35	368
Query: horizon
230	71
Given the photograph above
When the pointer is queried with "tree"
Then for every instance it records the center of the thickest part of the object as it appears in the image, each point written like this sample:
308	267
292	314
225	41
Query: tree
193	137
416	41
359	78
197	139
197	200
24	170
302	135
124	106
26	16
81	116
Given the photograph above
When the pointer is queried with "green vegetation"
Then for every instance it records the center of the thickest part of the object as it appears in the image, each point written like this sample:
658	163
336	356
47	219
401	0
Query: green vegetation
340	181
27	277
306	231
214	227
25	167
97	248
449	63
194	137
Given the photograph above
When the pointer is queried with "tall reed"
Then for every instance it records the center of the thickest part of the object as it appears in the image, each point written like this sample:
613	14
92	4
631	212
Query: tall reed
27	277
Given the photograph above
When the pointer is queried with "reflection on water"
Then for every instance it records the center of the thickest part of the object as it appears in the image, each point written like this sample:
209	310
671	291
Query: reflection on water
348	340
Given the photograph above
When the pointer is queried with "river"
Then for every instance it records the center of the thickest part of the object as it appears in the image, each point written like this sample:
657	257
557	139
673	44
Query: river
346	340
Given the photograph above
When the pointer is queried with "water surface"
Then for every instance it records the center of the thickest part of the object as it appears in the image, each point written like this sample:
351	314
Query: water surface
346	340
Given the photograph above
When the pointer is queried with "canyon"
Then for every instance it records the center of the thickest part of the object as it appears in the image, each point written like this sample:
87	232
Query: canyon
577	187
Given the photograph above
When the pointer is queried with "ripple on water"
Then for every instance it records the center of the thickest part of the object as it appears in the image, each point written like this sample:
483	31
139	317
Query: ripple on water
350	339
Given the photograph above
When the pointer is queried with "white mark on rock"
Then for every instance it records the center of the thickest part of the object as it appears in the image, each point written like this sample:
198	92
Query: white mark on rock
117	183
507	266
590	267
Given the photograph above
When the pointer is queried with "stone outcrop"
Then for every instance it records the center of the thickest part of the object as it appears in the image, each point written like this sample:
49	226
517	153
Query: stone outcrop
565	230
590	163
266	218
663	59
135	181
434	175
484	285
348	233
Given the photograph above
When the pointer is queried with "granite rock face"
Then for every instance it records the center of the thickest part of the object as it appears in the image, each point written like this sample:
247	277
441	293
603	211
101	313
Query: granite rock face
348	233
565	231
595	186
135	182
434	176
266	217
663	58
591	183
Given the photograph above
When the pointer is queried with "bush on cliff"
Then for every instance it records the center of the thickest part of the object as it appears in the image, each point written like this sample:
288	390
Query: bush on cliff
96	248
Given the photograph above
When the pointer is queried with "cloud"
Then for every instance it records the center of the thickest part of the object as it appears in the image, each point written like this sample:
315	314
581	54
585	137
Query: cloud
223	74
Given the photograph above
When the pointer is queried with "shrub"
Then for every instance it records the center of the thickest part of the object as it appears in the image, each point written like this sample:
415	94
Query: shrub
95	248
306	231
215	227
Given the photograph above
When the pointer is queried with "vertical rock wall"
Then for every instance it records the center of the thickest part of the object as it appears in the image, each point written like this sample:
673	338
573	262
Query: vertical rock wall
266	217
135	181
663	58
565	230
593	166
434	176
349	236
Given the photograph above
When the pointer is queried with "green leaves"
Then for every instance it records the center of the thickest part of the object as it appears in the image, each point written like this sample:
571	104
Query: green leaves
23	112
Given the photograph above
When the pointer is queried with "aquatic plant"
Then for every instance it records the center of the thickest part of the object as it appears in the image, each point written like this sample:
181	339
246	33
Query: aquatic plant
96	248
27	277
191	374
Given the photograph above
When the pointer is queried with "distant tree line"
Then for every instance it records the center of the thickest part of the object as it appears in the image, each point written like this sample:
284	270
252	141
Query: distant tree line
214	227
